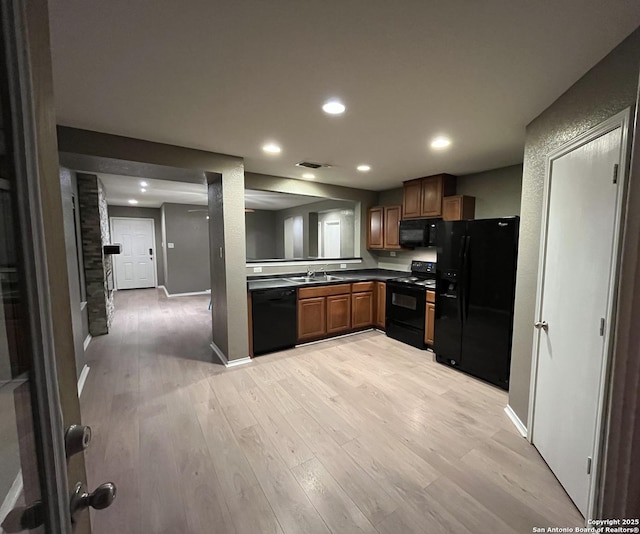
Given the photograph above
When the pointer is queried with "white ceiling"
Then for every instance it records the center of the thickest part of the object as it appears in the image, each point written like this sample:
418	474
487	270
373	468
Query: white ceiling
227	76
121	189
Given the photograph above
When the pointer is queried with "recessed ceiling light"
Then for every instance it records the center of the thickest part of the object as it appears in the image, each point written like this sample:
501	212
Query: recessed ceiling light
308	176
207	217
132	201
143	184
440	142
272	148
143	190
363	168
333	107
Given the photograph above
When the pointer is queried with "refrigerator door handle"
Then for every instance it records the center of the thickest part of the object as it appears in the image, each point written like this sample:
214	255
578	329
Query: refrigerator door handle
466	278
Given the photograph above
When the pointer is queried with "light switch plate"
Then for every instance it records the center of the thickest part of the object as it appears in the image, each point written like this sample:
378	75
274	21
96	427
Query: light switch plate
257	269
170	245
343	266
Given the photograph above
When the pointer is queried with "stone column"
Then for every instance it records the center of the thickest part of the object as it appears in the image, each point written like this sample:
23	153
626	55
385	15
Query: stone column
98	268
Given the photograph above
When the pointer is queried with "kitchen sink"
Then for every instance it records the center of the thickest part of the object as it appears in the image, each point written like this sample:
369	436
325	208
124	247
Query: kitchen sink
314	279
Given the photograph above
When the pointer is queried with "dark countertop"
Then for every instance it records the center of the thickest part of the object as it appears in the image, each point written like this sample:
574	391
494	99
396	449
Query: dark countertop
362	275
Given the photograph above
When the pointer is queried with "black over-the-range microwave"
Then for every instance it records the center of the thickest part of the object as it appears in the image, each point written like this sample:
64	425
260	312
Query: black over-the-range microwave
418	232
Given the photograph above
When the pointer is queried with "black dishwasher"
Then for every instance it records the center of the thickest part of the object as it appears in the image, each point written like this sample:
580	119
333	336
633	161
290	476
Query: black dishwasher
275	319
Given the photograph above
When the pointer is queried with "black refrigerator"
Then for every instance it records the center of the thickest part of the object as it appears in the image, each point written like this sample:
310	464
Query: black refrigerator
476	277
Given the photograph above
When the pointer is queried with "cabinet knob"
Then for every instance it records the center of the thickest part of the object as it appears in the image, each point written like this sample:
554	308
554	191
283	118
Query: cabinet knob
541	324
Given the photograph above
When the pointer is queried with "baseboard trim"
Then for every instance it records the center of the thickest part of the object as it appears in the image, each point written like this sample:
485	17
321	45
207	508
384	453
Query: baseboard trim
324	340
516	421
83	378
87	340
221	356
191	294
12	497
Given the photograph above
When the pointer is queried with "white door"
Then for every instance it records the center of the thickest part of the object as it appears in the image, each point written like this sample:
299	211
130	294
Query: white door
331	239
574	299
134	268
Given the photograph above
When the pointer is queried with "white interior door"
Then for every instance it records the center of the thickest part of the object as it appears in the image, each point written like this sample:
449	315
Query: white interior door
135	267
583	203
331	239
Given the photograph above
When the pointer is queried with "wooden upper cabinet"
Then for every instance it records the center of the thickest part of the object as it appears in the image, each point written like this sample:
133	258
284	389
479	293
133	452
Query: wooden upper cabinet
375	232
381	304
458	208
392	216
338	313
412	199
361	309
312	318
423	197
383	230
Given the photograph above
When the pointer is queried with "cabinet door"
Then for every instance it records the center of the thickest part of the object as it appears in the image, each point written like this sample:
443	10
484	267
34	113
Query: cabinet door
452	208
429	327
392	216
312	318
458	208
431	205
412	199
381	304
361	309
338	314
375	237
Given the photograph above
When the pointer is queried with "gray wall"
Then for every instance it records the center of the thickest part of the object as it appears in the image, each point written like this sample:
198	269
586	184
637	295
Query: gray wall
345	216
497	194
606	89
260	228
187	268
362	198
497	191
310	226
145	213
69	192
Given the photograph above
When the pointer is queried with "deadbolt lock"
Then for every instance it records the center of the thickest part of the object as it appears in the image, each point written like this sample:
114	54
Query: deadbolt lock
76	439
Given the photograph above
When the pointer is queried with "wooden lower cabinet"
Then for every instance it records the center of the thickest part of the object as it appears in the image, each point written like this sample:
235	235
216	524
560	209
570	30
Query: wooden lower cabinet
338	314
362	309
381	304
430	318
312	318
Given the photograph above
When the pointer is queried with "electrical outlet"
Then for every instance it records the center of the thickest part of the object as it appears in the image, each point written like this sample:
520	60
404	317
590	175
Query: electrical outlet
257	269
343	266
393	254
170	245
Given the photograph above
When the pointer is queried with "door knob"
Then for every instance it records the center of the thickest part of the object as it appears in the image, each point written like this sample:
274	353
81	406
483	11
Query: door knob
76	439
541	324
100	499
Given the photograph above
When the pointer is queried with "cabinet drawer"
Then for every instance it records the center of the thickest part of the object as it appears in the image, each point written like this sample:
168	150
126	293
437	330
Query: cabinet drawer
323	291
362	286
431	296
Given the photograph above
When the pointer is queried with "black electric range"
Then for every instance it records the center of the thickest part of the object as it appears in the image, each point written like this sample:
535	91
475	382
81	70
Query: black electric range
406	303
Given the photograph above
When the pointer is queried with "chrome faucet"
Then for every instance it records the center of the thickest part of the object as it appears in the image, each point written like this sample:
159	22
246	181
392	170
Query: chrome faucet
310	273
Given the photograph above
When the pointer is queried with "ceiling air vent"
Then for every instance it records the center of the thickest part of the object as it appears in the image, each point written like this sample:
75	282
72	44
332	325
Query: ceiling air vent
310	165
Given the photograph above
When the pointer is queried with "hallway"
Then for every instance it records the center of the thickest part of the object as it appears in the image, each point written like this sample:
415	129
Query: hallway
360	434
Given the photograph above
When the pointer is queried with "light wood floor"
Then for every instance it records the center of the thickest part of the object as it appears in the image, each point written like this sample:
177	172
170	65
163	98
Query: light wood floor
360	434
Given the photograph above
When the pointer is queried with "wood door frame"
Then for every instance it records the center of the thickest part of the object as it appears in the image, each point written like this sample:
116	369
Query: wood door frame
39	212
620	120
153	240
